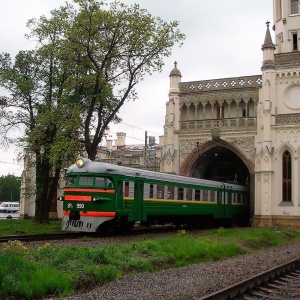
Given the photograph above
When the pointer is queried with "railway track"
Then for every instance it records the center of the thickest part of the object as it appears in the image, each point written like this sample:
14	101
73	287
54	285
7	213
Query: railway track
282	282
77	235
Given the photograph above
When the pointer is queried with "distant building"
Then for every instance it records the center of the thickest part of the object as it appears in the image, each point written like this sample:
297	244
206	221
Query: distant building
133	156
126	155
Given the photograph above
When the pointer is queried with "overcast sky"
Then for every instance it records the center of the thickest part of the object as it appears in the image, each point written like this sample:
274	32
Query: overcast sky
223	39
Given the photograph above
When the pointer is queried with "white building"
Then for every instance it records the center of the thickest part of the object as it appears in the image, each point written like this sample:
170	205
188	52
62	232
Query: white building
247	128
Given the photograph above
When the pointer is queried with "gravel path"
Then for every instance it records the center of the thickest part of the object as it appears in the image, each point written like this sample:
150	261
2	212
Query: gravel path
194	281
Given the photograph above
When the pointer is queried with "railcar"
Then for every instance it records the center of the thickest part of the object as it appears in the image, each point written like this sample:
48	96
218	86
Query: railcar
100	196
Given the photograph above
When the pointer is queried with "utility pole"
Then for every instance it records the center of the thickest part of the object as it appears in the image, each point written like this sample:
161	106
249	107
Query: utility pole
145	152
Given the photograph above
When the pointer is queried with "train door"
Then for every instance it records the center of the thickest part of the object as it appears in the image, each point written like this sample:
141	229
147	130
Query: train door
119	198
138	200
222	199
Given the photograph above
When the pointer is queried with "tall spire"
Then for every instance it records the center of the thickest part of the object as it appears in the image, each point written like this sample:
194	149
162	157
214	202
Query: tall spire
268	43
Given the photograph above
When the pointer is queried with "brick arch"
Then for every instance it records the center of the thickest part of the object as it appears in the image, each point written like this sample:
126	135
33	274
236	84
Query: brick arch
192	157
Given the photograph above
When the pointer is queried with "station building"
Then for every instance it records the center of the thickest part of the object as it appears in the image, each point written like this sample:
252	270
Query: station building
245	129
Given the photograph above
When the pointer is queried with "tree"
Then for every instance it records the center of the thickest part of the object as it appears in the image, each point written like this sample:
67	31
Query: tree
111	51
87	62
10	188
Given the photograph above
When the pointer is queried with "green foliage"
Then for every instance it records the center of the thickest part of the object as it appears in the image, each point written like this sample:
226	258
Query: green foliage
28	226
23	278
10	188
75	269
88	60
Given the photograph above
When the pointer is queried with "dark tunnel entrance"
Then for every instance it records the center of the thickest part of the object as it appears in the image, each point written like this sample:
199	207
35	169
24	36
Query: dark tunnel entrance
221	164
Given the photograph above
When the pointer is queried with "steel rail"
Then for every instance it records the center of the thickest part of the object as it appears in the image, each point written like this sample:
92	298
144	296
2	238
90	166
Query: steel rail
242	286
74	235
42	237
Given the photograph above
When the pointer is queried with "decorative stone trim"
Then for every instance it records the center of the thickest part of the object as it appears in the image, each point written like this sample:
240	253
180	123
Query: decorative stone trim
224	124
287	119
221	84
288	59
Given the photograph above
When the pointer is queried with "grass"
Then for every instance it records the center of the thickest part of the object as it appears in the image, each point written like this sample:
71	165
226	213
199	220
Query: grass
76	269
28	226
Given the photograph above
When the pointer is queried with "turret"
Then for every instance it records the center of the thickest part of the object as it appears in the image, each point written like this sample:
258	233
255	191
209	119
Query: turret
268	49
175	79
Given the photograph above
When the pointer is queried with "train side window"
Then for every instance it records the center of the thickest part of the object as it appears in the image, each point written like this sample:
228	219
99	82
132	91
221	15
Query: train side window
160	192
151	191
146	190
126	189
180	193
86	181
193	194
208	195
213	196
197	195
205	195
189	194
154	191
238	198
170	193
230	197
131	189
175	193
226	198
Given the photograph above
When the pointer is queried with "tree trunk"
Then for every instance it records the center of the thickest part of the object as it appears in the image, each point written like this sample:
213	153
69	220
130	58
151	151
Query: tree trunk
45	188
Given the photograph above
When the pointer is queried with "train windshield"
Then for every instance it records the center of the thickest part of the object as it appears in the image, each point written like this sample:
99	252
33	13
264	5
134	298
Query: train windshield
70	181
96	181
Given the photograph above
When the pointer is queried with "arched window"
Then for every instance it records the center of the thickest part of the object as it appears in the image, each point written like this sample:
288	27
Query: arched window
286	176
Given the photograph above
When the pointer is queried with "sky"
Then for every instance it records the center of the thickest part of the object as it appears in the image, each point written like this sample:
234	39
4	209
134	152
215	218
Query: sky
223	39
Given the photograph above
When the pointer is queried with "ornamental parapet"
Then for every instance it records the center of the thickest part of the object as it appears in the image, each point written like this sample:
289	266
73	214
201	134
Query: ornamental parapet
287	119
221	84
289	59
237	124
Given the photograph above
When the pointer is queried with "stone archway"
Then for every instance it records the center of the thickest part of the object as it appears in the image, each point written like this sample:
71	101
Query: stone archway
212	152
220	160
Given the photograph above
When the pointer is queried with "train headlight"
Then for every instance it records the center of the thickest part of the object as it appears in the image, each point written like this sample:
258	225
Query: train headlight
79	163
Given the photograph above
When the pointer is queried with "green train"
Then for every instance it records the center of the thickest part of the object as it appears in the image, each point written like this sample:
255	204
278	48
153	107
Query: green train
100	196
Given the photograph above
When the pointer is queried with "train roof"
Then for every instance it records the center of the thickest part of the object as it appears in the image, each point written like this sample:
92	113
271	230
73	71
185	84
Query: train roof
95	167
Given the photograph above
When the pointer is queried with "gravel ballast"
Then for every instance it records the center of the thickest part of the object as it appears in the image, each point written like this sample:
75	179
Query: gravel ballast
192	282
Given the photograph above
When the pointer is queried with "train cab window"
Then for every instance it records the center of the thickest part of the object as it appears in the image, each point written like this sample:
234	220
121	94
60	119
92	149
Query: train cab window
170	193
71	181
160	192
86	181
103	182
180	194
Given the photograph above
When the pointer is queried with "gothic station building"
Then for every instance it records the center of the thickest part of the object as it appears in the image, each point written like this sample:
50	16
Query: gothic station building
245	129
